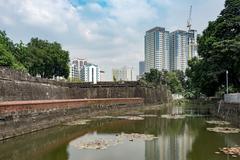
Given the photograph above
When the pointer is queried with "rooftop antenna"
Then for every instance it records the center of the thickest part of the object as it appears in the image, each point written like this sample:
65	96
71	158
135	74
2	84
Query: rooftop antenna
189	21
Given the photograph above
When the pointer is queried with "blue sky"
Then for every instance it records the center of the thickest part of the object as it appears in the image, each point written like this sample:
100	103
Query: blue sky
109	33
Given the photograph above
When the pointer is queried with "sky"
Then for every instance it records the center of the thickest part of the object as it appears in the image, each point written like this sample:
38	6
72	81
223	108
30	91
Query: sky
109	33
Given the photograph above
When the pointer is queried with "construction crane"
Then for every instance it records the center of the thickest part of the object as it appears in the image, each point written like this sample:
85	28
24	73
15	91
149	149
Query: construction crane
189	21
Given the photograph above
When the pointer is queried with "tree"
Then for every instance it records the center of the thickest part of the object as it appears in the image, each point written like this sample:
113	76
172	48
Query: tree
154	76
47	59
7	59
157	77
173	82
219	47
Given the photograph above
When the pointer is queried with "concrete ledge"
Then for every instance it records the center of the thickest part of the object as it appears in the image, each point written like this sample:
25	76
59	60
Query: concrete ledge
13	106
21	117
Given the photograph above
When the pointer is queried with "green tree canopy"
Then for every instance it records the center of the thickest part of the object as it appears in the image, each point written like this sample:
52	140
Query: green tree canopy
219	47
7	47
170	79
47	59
38	57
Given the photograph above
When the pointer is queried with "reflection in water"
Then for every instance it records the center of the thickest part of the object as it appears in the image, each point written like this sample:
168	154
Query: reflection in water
170	147
184	139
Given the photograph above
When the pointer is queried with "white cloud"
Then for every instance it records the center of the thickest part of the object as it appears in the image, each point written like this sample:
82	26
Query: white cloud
111	36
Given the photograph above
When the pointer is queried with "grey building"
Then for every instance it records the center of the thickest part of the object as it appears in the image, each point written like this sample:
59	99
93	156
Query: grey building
179	50
156	49
141	67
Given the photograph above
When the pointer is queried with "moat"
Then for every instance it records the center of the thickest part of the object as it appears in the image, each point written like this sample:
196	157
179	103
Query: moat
174	139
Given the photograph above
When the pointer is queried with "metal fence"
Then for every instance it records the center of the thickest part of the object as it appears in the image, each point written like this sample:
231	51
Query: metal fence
232	98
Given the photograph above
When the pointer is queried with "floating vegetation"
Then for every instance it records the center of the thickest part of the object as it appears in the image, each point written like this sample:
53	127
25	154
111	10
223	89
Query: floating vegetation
134	118
218	122
101	143
77	122
173	116
137	136
234	151
94	144
224	130
148	115
103	117
195	115
120	117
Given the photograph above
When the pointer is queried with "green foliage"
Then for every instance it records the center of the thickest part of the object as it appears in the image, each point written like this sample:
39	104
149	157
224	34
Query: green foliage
171	79
6	57
114	79
219	47
47	59
154	76
38	57
173	82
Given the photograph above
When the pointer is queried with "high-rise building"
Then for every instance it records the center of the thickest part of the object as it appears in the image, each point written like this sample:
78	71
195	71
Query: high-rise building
179	50
156	49
169	51
75	68
90	73
80	70
141	68
123	74
192	44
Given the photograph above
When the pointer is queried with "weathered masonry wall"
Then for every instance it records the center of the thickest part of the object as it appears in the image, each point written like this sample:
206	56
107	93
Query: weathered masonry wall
228	111
21	117
20	86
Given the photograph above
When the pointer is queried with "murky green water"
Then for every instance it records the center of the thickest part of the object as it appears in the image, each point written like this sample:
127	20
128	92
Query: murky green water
181	139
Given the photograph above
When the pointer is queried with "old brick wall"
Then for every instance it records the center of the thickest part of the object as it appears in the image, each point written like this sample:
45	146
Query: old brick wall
20	86
21	117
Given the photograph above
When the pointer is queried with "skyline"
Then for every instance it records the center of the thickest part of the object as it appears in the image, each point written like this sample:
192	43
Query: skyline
102	31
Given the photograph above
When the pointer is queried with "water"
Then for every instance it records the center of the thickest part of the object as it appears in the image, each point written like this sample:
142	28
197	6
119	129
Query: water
181	139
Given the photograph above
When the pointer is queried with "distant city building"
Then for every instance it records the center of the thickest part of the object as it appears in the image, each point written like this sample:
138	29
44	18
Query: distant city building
123	74
90	73
169	51
179	50
141	67
80	70
192	44
102	73
75	68
156	49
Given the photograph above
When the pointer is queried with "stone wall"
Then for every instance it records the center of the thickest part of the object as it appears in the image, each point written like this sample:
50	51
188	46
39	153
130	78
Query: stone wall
228	111
21	117
20	86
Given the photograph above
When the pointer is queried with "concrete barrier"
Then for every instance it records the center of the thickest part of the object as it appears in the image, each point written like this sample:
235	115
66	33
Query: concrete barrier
232	98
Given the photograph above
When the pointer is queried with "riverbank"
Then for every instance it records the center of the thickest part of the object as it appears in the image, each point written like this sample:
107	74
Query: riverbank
21	117
228	112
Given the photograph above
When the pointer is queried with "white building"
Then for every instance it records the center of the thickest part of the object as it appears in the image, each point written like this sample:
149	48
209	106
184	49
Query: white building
75	68
123	74
90	73
156	49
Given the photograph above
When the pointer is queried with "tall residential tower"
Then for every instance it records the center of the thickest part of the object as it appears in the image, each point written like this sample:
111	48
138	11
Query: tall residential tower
156	49
179	50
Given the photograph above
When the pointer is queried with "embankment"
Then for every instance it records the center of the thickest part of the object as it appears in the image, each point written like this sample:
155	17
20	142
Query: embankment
28	104
21	117
227	111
